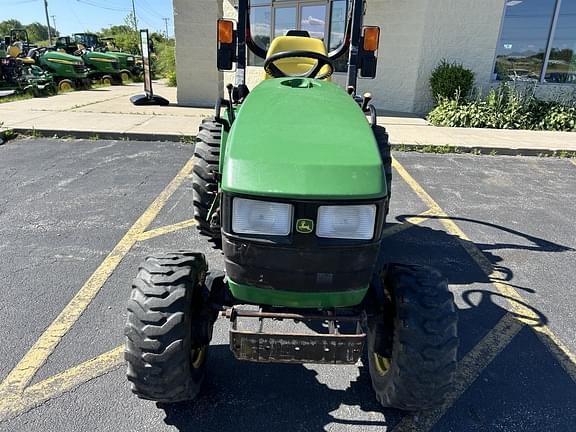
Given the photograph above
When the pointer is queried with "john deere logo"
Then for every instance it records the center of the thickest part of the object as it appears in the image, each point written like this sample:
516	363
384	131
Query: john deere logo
304	226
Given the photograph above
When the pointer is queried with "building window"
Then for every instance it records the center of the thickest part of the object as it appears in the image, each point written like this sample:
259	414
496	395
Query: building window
324	20
561	66
538	41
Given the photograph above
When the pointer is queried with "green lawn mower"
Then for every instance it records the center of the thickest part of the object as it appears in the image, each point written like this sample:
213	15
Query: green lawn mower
130	64
19	74
102	68
68	72
292	179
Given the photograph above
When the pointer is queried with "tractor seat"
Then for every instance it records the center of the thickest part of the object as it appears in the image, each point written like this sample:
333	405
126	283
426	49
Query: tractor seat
14	50
296	43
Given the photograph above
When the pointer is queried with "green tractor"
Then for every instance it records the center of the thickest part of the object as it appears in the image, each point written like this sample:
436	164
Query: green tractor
102	68
292	179
19	73
69	72
130	64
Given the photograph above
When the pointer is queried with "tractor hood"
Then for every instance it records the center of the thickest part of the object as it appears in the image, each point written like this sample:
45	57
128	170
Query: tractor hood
120	54
302	138
63	58
94	56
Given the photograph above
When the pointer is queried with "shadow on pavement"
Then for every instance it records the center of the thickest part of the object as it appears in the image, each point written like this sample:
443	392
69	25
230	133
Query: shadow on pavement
275	397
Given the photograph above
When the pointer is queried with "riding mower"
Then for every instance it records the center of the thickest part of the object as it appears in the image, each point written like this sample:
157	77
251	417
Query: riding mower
68	72
102	68
292	179
130	64
19	74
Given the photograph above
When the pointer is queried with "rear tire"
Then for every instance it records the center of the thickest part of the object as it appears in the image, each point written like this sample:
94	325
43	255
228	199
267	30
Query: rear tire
107	80
204	181
169	327
412	339
125	76
66	85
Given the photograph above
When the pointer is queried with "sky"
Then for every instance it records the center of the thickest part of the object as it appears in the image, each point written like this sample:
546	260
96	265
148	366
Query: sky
75	16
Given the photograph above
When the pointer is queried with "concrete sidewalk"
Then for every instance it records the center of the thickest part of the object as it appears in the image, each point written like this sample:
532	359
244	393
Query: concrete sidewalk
107	113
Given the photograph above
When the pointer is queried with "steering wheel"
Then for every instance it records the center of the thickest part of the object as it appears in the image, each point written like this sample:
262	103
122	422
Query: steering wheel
321	61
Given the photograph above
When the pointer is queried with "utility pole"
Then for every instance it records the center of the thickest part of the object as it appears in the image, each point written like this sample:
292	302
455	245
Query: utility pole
135	19
166	23
54	23
48	22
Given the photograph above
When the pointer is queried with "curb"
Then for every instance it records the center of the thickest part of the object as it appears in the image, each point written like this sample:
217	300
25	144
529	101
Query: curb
136	136
483	150
420	148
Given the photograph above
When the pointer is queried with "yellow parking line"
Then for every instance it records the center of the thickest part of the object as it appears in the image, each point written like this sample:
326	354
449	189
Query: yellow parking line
519	306
573	161
147	235
59	384
469	368
25	370
408	223
14	403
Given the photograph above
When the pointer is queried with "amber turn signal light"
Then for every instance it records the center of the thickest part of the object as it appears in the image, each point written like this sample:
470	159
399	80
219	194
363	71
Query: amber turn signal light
371	38
225	31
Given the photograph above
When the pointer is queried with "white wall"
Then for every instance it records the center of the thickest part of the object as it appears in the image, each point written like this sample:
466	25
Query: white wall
199	81
465	31
416	35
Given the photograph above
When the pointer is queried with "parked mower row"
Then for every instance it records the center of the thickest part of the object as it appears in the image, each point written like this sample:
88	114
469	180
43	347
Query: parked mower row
75	62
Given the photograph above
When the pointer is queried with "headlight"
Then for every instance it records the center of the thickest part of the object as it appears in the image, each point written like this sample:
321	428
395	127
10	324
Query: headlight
129	58
346	222
261	217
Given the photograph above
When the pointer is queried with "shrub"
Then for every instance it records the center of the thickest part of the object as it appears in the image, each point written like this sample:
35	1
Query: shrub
165	64
451	81
505	108
171	78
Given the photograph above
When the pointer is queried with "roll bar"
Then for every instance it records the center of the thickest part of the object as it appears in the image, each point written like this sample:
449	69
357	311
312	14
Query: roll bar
352	43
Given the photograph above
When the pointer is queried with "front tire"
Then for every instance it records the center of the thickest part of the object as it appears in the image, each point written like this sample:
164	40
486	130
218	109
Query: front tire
204	181
169	327
412	339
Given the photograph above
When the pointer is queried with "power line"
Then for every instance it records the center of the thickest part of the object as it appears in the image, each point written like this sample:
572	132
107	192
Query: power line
149	8
23	1
93	4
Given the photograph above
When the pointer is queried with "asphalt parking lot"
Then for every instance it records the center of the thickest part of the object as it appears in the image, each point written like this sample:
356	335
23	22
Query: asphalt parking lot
77	216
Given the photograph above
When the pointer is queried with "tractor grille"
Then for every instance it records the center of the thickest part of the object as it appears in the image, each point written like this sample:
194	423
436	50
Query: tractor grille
79	68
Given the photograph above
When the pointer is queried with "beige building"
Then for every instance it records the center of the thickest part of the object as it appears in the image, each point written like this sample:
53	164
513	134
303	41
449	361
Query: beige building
530	41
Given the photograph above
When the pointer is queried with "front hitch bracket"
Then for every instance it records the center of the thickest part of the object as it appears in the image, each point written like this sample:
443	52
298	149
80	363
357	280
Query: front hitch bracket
333	347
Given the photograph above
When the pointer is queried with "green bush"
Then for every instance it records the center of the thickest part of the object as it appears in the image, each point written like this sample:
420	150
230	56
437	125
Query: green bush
451	80
505	108
166	61
171	78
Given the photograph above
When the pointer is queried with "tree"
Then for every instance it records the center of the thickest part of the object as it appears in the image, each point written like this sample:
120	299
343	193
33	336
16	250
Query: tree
36	32
6	26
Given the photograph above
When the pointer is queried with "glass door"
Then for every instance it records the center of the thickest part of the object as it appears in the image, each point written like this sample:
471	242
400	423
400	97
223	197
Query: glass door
285	19
313	19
